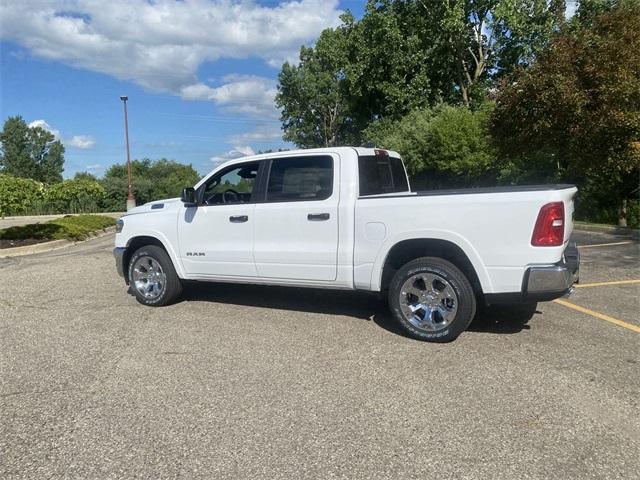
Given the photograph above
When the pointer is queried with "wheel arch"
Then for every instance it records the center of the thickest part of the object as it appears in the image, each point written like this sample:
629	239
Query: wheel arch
134	243
405	250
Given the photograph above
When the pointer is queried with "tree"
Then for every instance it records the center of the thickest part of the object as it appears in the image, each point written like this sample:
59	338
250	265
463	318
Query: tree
85	176
487	38
405	55
444	146
152	180
313	94
397	63
15	157
580	103
30	152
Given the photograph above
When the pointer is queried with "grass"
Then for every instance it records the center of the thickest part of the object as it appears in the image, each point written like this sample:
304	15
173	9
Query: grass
77	227
608	226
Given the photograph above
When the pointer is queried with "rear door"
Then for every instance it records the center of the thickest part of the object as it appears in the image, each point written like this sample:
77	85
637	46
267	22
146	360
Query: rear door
296	226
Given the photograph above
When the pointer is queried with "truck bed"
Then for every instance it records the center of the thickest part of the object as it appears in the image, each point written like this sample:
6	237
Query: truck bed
479	190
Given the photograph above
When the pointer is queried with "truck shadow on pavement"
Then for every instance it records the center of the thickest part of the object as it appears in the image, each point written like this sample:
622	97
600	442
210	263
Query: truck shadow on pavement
362	305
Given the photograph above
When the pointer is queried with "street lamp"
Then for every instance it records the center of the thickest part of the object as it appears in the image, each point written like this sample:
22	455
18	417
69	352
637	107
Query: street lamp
131	201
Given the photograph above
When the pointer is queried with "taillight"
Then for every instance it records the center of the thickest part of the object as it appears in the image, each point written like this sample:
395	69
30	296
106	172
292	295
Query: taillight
549	230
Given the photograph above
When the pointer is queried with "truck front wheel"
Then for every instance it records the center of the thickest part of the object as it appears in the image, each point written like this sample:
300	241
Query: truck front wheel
152	277
432	299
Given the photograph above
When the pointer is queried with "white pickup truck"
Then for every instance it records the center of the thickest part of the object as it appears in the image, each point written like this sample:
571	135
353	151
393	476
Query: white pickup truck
346	218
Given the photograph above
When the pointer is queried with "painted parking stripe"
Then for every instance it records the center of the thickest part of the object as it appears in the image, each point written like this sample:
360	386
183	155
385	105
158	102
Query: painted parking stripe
604	244
602	284
601	316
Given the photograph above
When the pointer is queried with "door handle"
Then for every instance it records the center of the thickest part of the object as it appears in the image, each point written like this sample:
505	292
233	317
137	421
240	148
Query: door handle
318	217
238	218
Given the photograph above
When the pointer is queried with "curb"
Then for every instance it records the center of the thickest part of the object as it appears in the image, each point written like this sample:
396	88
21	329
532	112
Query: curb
49	246
624	231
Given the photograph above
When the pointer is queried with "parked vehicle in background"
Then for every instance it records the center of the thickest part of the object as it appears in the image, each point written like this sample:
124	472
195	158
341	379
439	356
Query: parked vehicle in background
346	218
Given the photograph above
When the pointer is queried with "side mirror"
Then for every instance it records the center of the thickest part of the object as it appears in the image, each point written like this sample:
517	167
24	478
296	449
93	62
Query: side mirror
189	197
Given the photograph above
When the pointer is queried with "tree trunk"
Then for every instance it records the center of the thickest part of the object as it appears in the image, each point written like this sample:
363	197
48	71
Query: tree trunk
622	213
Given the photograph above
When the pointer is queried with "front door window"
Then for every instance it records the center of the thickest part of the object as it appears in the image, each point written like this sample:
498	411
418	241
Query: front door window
231	186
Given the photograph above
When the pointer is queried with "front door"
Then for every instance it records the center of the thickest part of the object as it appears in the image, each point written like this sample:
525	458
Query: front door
296	227
216	237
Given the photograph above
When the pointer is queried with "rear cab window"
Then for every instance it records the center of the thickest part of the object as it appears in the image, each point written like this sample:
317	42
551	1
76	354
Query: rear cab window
381	174
299	179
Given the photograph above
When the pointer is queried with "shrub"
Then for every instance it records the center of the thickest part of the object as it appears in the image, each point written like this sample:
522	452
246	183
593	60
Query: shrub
633	213
152	180
18	195
70	227
443	146
74	196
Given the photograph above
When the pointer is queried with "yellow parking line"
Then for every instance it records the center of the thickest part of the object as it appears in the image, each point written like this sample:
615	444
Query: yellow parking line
604	244
601	316
601	284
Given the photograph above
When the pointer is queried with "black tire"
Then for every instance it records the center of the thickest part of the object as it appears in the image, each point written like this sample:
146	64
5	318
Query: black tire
172	288
466	300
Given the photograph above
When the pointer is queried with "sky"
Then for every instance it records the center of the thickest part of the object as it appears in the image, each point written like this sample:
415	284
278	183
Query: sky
200	75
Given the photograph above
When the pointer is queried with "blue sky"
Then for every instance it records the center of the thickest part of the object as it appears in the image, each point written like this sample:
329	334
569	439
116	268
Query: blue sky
200	74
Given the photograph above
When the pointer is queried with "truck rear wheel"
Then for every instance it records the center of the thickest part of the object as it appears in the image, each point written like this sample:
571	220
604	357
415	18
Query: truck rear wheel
152	277
432	299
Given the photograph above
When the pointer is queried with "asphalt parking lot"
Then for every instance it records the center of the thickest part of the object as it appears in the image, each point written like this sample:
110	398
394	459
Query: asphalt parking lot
266	382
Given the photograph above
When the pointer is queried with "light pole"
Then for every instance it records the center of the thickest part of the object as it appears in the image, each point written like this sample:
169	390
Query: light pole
131	201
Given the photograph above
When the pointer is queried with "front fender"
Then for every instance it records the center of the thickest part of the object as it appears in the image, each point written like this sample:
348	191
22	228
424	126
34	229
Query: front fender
159	236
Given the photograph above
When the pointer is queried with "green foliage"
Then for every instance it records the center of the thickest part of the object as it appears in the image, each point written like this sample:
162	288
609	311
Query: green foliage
589	10
74	196
17	195
579	105
85	176
151	181
397	63
522	29
313	95
405	55
444	146
30	152
633	213
70	227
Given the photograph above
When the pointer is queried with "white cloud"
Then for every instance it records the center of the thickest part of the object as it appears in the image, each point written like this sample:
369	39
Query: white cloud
262	134
95	166
161	44
45	126
247	94
83	142
236	152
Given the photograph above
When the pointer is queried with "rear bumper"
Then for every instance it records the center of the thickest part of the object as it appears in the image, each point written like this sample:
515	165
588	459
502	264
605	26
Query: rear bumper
118	253
544	283
547	283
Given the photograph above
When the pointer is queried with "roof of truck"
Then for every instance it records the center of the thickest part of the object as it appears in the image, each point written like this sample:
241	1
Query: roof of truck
361	151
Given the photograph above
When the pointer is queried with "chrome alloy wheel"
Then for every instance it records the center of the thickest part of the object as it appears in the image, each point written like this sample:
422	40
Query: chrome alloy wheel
148	277
428	301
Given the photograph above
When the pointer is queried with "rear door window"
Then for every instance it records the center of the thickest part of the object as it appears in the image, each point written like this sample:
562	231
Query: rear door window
300	179
379	175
